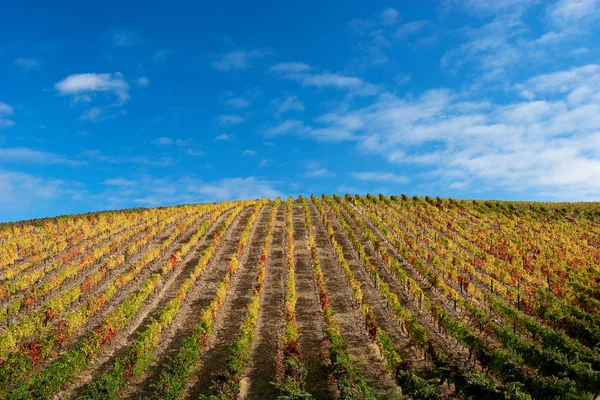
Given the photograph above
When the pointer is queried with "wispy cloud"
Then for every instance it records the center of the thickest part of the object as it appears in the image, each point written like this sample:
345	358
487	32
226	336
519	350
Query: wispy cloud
244	100
162	141
92	114
224	137
299	128
362	26
195	153
237	102
31	156
380	177
230	119
507	42
290	68
124	37
91	83
5	111
138	159
308	77
315	169
409	29
97	114
167	141
264	162
152	191
27	63
184	142
389	16
249	152
569	12
283	105
540	145
143	81
24	192
239	60
119	182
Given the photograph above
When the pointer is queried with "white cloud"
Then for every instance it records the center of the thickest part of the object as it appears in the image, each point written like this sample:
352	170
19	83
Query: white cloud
339	81
290	103
484	8
239	60
581	82
124	37
93	114
97	156
290	67
162	141
249	152
230	119
152	191
195	153
580	51
319	173
385	18
380	177
314	169
184	142
289	126
86	84
225	137
20	191
237	102
322	134
30	156
167	141
389	16
5	110
239	188
25	195
508	43
143	81
573	11
402	79
408	29
119	182
264	162
27	63
305	75
548	145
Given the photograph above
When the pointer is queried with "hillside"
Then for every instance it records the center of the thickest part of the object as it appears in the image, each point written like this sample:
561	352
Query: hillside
353	298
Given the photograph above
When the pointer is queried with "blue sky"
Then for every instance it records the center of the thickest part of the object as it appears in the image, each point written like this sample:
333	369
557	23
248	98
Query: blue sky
116	106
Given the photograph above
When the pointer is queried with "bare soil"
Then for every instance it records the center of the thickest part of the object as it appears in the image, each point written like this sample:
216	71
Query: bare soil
365	354
265	358
199	297
232	312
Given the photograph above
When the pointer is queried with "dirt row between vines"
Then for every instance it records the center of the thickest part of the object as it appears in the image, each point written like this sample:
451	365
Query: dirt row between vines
365	354
371	295
198	298
308	314
232	313
162	294
410	303
267	352
134	285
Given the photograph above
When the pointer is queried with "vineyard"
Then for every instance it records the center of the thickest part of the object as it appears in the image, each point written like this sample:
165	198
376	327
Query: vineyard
355	297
